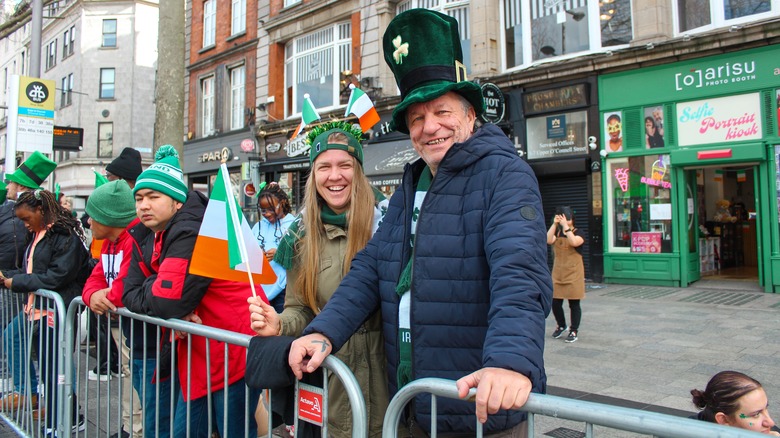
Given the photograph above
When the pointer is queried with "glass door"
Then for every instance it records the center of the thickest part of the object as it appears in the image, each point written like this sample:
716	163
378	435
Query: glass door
689	248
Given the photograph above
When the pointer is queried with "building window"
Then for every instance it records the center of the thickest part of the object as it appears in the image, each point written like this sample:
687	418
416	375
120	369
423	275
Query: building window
209	22
67	90
702	15
640	204
237	81
207	106
312	66
105	140
238	17
51	54
288	3
107	77
561	27
68	41
458	9
109	33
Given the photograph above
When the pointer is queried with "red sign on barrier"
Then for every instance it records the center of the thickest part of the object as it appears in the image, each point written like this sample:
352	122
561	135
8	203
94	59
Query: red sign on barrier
310	406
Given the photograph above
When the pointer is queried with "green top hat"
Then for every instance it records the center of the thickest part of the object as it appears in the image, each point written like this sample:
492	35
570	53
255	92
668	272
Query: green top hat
422	47
3	192
35	169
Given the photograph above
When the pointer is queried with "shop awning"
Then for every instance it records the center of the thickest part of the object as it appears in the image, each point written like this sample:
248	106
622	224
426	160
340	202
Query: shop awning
387	158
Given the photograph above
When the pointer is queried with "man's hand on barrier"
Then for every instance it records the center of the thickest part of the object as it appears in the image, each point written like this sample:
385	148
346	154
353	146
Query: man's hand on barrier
497	388
308	353
192	317
263	317
8	282
99	302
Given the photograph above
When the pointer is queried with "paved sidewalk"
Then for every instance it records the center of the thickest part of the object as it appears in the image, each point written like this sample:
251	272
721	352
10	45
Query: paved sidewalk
646	347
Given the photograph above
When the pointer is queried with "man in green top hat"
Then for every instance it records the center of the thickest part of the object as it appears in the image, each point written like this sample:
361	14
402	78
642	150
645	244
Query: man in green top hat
468	300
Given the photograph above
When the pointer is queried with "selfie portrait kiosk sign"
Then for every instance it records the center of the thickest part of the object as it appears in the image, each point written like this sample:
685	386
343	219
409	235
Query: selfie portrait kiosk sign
30	115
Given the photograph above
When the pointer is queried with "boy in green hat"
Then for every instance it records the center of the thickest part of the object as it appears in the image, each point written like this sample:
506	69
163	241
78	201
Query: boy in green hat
477	281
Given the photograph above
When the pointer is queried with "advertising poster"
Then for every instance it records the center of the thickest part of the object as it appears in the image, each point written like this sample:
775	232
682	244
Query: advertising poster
719	120
646	241
613	126
654	127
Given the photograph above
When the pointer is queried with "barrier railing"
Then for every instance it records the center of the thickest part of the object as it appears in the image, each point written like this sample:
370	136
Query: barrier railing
74	384
614	417
32	354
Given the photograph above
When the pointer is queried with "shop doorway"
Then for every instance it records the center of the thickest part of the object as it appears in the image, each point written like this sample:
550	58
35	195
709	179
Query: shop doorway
727	221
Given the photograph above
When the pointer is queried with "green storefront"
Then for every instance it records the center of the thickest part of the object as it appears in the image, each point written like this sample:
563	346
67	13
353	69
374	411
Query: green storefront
690	181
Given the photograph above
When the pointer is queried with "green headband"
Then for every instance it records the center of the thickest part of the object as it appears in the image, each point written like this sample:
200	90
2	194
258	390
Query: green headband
319	141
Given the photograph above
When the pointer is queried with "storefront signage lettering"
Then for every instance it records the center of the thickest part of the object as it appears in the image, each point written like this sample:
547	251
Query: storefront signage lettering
274	147
557	136
297	147
494	103
555	99
223	155
646	241
659	170
726	119
656	182
380	129
716	75
290	166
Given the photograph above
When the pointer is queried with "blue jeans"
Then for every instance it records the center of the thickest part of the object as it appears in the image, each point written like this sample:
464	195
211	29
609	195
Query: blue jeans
143	379
15	341
199	414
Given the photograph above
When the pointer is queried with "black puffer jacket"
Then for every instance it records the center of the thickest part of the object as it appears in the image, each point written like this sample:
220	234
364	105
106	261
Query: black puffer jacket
61	263
13	238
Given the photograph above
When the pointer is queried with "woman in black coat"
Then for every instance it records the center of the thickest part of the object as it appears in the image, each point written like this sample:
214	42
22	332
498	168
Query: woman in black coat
57	260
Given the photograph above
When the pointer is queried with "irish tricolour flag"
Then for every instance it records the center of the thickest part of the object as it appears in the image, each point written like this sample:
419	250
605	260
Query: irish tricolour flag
361	106
225	247
309	115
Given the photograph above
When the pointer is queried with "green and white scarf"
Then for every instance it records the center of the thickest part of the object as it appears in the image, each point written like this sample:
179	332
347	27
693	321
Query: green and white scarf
403	288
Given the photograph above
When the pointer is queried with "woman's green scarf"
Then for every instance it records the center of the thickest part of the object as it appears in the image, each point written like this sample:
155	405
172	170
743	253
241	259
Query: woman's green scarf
285	253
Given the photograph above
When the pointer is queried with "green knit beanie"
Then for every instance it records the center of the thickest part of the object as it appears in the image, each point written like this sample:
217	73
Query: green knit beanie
318	140
112	204
164	175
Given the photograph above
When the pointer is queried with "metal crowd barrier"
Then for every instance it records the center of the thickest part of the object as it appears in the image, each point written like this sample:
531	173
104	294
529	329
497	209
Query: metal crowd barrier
614	417
100	402
35	352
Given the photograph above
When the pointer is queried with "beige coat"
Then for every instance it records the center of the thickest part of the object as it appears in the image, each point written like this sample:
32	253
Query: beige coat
568	272
364	353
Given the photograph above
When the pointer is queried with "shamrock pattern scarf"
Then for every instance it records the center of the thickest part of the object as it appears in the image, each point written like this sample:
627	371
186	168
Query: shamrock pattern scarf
403	288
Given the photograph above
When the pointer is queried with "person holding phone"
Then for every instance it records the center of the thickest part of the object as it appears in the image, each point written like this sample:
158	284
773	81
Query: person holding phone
568	273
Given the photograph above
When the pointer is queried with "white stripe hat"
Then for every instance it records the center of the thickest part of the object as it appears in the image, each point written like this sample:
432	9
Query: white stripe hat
164	175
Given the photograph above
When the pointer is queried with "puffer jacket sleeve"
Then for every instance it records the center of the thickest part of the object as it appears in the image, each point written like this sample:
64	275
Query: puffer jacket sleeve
137	271
356	298
64	267
520	285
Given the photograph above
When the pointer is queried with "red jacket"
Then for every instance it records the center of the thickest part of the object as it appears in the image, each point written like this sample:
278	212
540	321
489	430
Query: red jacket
111	270
159	284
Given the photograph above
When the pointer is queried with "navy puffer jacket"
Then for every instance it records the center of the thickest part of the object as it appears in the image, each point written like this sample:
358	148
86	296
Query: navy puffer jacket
481	287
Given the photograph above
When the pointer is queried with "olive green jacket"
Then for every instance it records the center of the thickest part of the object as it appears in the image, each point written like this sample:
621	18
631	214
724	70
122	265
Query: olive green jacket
363	353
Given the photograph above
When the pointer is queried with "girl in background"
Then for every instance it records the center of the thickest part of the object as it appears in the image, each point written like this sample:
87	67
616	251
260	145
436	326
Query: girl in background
273	205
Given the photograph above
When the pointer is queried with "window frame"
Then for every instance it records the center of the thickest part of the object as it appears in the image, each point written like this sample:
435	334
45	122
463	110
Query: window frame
717	17
209	23
207	106
105	34
66	97
341	59
109	139
237	97
594	23
51	54
237	17
104	84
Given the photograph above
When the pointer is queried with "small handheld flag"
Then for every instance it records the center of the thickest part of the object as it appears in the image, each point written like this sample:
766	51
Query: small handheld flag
361	106
309	115
99	179
225	248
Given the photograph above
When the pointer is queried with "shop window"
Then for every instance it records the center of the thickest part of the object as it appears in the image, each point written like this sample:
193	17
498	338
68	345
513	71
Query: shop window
458	9
702	15
313	65
640	204
561	27
558	136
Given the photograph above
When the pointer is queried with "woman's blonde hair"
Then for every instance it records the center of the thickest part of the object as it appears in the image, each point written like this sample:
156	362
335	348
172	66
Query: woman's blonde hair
360	218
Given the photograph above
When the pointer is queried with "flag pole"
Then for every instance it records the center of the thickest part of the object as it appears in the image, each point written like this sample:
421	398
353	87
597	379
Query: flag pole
237	225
